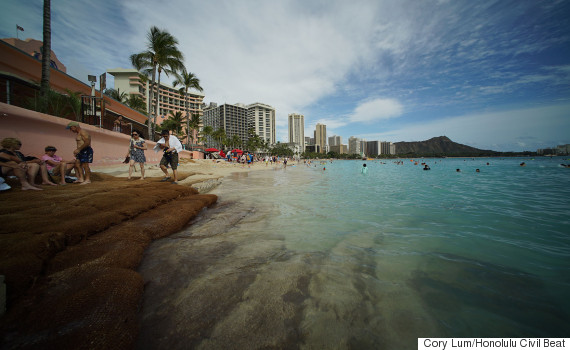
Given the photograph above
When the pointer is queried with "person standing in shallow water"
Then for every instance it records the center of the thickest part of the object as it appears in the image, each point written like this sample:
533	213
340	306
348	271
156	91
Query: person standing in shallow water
83	153
136	152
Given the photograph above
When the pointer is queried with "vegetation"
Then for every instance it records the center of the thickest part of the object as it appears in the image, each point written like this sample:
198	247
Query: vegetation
188	81
193	125
116	95
162	54
220	137
137	103
56	104
207	132
174	123
281	150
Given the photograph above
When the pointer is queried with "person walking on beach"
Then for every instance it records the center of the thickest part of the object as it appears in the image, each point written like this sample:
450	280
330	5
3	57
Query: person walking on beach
83	153
171	146
136	152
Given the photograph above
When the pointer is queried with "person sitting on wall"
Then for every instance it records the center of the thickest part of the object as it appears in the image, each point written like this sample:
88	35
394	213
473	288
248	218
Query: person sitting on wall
11	152
56	166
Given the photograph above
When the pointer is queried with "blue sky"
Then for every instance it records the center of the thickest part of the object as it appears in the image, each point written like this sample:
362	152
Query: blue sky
489	74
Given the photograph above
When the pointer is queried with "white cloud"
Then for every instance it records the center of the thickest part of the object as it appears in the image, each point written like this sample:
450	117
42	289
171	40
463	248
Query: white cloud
378	109
500	131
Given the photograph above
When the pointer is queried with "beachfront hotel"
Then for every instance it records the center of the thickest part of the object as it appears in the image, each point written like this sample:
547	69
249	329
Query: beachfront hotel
262	120
321	137
335	140
170	98
297	130
233	119
354	145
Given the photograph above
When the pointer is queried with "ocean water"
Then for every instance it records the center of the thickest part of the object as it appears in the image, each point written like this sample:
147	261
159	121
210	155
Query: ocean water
334	259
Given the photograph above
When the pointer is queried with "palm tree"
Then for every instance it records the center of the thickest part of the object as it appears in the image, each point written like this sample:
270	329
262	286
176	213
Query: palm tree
46	50
188	81
219	135
207	131
193	125
162	54
174	122
235	141
137	103
116	95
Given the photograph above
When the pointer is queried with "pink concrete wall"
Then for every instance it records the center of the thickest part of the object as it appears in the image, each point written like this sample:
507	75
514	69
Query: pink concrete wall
38	130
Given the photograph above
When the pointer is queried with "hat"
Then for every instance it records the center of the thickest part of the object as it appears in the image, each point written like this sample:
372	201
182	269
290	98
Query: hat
165	132
71	124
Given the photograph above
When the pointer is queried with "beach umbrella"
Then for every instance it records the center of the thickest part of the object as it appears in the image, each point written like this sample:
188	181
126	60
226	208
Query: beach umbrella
237	151
212	150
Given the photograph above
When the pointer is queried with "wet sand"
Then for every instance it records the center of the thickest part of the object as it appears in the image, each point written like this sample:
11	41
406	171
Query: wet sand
69	254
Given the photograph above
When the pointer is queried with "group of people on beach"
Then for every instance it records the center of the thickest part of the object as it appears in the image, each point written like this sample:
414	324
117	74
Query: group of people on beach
26	168
49	166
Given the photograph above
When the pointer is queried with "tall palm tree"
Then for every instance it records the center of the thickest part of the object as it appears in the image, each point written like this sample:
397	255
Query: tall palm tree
188	81
162	54
46	50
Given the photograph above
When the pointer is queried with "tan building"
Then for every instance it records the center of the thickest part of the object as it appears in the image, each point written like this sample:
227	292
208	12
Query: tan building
340	149
321	137
297	130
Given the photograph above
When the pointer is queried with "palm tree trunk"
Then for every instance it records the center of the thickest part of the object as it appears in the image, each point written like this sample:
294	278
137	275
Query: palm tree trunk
46	50
149	104
187	119
156	103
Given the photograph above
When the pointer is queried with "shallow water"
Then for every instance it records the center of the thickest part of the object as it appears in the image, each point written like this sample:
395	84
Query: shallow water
311	258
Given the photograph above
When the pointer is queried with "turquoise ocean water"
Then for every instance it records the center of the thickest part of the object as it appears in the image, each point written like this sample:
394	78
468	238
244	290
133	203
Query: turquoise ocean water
311	258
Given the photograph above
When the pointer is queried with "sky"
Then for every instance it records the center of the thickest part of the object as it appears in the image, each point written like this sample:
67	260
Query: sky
488	74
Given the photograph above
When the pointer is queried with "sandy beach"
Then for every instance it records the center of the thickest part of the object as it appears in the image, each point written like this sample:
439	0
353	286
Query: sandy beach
69	254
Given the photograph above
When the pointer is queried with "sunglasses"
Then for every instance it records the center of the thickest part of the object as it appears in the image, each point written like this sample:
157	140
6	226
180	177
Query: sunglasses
135	134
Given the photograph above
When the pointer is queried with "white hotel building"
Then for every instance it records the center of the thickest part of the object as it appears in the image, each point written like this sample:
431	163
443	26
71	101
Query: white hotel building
170	99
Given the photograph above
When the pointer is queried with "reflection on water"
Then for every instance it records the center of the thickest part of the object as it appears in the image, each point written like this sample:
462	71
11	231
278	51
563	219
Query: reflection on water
288	259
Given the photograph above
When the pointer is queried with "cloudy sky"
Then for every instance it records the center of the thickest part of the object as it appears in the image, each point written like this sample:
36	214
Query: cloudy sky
489	74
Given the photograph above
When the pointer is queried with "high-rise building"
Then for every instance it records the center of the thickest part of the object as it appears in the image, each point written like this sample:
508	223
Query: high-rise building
297	130
387	147
373	148
321	137
262	120
231	118
335	140
340	149
354	145
363	150
170	99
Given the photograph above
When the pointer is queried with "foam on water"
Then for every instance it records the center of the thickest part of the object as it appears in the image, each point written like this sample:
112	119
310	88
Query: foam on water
336	259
